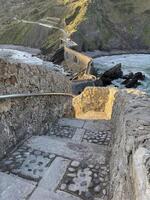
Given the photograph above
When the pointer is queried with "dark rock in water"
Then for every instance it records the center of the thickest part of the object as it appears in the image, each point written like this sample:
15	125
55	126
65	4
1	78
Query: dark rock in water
125	81
58	56
128	76
139	76
113	73
106	81
133	82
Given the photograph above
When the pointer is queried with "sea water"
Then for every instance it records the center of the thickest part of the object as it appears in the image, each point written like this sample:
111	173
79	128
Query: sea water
130	63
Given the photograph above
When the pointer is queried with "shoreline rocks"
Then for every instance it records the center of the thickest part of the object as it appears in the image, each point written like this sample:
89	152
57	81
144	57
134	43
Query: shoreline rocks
132	80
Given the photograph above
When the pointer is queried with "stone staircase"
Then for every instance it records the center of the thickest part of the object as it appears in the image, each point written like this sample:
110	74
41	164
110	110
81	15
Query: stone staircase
70	162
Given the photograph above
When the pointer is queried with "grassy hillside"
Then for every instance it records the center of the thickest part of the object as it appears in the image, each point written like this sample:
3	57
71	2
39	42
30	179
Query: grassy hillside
93	24
115	24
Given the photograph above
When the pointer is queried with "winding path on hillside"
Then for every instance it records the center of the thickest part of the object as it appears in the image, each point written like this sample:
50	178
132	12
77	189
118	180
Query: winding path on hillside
65	38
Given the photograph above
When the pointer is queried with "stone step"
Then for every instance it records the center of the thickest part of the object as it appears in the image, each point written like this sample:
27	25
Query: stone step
96	132
13	188
95	125
62	169
70	163
71	122
69	149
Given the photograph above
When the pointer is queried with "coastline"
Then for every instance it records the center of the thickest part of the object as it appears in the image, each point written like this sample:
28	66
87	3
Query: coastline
98	53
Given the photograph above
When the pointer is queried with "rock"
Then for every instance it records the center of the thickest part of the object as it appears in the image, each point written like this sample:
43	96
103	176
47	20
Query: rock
101	179
63	186
70	169
95	141
68	180
91	166
106	81
8	162
128	76
104	191
58	56
75	163
95	175
71	175
72	188
89	196
91	185
84	183
125	82
133	83
96	180
108	76
97	166
51	156
83	165
97	189
139	76
113	73
82	174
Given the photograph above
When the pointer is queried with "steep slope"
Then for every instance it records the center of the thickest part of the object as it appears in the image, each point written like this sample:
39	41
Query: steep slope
115	24
17	32
93	24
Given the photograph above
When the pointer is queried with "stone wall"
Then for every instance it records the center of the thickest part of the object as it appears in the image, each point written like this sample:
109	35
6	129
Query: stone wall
76	61
131	131
22	117
141	173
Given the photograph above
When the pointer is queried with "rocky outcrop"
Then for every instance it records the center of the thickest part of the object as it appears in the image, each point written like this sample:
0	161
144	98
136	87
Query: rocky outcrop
114	25
132	80
113	73
21	117
58	56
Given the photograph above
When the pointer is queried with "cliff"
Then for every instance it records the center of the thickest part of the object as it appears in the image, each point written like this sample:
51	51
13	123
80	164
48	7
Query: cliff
93	24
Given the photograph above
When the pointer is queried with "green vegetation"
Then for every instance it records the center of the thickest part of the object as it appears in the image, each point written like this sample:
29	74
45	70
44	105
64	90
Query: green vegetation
93	24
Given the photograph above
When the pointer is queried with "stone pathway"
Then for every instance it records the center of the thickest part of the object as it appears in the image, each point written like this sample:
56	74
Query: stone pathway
71	162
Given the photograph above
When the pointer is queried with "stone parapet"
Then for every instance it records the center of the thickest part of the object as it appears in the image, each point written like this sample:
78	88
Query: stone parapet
131	131
77	61
22	117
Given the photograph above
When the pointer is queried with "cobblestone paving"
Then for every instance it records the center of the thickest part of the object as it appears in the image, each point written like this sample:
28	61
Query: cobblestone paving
87	181
62	131
101	138
65	169
27	163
